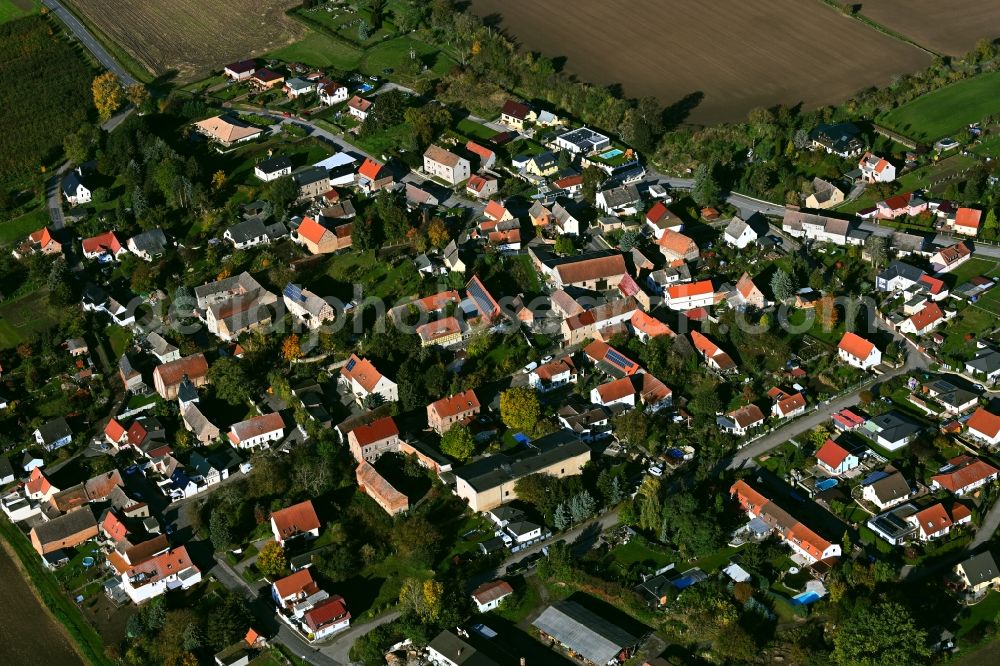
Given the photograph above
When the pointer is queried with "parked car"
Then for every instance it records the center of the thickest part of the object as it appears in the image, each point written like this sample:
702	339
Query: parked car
547	359
531	366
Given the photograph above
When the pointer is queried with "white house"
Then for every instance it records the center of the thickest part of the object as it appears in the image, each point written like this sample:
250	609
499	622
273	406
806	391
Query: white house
446	165
875	169
787	406
359	107
74	190
170	570
489	595
984	426
964	475
553	375
332	93
564	220
362	379
326	618
887	491
739	234
924	321
258	431
690	296
298	520
855	350
273	168
616	392
835	459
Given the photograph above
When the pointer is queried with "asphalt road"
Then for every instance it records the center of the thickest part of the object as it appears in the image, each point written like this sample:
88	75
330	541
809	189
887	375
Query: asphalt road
89	41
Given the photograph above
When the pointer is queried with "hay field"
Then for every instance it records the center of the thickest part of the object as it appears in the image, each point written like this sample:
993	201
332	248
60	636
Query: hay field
951	27
192	36
739	54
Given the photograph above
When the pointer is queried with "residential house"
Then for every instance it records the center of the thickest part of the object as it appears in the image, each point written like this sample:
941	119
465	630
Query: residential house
659	219
984	426
171	570
748	294
131	378
227	132
964	475
875	169
240	71
900	205
273	168
359	107
307	308
597	273
824	195
373	484
252	232
488	596
257	431
373	176
540	215
482	187
508	240
443	332
715	358
955	400
38	487
886	490
148	245
979	573
40	241
621	200
553	375
514	114
487	158
542	165
951	257
743	420
447	649
326	618
298	520
841	139
577	328
740	233
835	459
234	305
645	327
898	276
265	79
855	350
198	424
446	165
966	221
690	296
167	377
496	212
489	482
891	431
296	87
459	408
313	182
616	392
589	423
293	589
811	226
986	365
66	531
934	522
369	441
317	238
102	246
570	185
676	246
924	321
565	222
332	93
582	141
787	405
74	190
53	434
800	538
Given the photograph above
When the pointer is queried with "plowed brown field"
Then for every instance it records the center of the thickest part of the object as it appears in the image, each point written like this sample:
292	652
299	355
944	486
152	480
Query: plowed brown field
951	27
192	36
739	54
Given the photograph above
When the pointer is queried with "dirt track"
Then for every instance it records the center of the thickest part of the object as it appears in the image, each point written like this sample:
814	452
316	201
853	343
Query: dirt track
739	54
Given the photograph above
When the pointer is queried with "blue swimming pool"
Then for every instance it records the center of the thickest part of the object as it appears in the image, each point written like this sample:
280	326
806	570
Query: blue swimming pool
806	598
826	484
365	87
610	154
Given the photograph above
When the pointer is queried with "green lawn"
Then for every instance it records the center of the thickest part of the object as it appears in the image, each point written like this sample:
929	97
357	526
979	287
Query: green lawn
391	53
972	268
383	143
985	611
948	110
23	318
14	231
118	337
638	551
15	9
974	319
319	50
474	130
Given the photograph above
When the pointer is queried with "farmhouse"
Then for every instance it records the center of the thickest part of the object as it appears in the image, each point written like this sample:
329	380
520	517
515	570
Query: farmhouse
446	165
306	307
226	131
320	239
373	176
676	246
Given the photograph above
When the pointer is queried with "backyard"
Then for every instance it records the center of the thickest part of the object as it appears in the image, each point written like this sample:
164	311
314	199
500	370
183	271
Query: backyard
22	319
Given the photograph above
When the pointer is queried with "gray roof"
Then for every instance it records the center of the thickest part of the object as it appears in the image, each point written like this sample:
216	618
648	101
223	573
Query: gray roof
492	471
310	175
891	487
584	632
458	651
903	241
621	196
901	269
153	241
6	469
986	361
981	568
65	526
248	229
54	430
275	164
70	182
893	427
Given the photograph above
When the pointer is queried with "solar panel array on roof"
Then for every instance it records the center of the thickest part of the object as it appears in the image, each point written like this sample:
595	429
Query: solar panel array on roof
350	364
873	477
483	300
294	292
617	359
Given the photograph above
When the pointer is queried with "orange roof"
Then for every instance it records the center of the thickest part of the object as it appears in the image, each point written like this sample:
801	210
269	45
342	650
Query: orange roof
591	269
746	286
43	237
488	592
690	290
967	217
832	454
659	213
456	404
359	103
747	415
616	390
856	346
649	325
703	344
970	470
376	431
677	243
933	284
362	371
439	329
984	422
549	370
106	242
171	374
296	519
374	484
495	210
113	527
960	512
932	519
438	301
299	583
807	540
37	482
114	430
791	403
370	169
748	495
312	230
256	426
927	316
481	151
476	182
568	181
881	166
651	390
163	565
504	237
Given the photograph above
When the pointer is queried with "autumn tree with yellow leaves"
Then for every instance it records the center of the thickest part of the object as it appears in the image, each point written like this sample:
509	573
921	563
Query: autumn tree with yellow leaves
108	95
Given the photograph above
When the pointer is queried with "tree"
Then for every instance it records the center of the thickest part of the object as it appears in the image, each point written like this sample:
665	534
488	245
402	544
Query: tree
631	426
107	91
826	312
137	95
437	232
458	442
230	381
218	180
884	633
592	179
271	559
519	408
364	235
629	240
582	506
291	350
782	285
280	193
561	517
422	598
991	228
80	145
877	249
706	190
220	529
414	537
229	620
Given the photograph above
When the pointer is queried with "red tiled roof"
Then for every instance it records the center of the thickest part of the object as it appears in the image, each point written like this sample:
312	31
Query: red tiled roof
660	213
113	527
456	404
549	370
616	390
676	242
505	237
495	210
481	151
171	374
296	519
359	103
747	415
649	325
748	495
960	512
970	471
591	269
106	242
700	288
515	109
439	329
476	183
899	201
791	403
967	217
253	427
114	430
370	169
37	482
438	301
832	454
927	316
312	230
325	612
488	592
299	583
376	431
933	284
856	346
568	182
932	519
136	434
363	372
984	422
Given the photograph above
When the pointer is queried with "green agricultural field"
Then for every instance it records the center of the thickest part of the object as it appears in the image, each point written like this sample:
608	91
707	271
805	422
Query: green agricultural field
319	50
15	230
15	9
24	318
948	110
